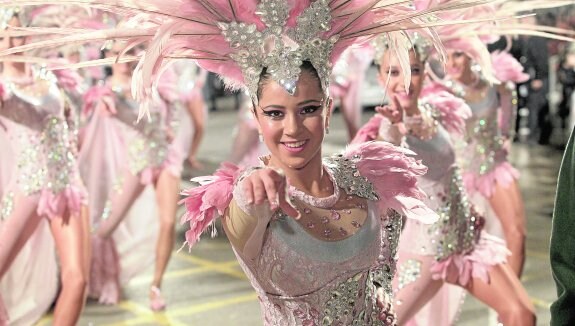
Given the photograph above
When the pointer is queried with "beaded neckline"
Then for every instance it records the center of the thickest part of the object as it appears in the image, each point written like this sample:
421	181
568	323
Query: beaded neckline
323	202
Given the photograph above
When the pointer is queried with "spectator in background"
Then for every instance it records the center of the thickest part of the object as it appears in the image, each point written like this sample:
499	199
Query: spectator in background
566	76
537	65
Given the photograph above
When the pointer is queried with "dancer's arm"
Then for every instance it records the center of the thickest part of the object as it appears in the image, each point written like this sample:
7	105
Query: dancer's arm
256	197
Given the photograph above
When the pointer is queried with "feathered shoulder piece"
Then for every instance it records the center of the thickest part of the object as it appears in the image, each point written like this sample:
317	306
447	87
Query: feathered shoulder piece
384	173
451	111
208	201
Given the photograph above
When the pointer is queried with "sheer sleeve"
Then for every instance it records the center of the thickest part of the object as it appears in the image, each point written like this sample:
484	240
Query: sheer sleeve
246	229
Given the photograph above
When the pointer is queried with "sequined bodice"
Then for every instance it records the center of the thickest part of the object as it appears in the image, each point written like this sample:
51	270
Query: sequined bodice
304	280
483	147
31	103
147	142
33	114
458	226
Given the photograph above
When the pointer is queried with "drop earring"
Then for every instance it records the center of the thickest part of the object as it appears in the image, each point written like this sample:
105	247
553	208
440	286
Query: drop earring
327	130
261	138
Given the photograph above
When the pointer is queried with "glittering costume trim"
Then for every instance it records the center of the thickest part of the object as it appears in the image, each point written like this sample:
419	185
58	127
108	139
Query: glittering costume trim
459	226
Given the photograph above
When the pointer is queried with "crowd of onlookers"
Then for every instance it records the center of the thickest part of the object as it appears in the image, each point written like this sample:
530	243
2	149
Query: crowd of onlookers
545	100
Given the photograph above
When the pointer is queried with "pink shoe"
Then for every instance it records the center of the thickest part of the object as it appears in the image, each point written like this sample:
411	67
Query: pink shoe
157	302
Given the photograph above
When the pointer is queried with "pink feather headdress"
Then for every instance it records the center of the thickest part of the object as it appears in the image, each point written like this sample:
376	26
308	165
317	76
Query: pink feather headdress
238	39
492	21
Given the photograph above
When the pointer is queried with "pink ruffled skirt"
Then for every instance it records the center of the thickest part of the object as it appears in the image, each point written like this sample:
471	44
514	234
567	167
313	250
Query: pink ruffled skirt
460	268
503	174
53	205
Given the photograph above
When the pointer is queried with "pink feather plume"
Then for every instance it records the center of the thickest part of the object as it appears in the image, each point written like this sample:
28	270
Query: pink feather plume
393	173
208	201
453	110
507	68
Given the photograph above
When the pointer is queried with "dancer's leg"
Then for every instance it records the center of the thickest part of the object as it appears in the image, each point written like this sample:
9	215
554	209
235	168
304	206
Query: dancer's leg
196	108
86	239
68	235
505	203
415	294
17	229
121	202
167	189
505	295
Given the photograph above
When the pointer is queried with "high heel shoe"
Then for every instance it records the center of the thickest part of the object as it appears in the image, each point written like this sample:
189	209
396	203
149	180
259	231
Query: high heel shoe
157	302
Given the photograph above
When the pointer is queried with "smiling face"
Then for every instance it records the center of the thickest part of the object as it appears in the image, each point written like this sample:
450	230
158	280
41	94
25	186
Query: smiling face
458	64
391	76
293	126
10	42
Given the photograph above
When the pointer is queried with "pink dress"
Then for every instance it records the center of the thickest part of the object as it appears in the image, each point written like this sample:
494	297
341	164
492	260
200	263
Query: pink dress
489	130
455	248
38	161
304	280
485	142
114	146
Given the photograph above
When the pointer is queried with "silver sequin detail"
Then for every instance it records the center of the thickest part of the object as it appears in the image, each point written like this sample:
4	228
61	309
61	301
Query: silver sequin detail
288	48
346	173
409	272
149	150
7	206
53	143
459	225
416	41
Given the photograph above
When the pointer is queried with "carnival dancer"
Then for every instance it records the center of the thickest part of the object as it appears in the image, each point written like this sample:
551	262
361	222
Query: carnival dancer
455	249
119	158
485	82
41	181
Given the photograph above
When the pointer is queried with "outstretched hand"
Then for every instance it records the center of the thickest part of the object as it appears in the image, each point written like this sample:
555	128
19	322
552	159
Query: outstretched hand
393	112
271	185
